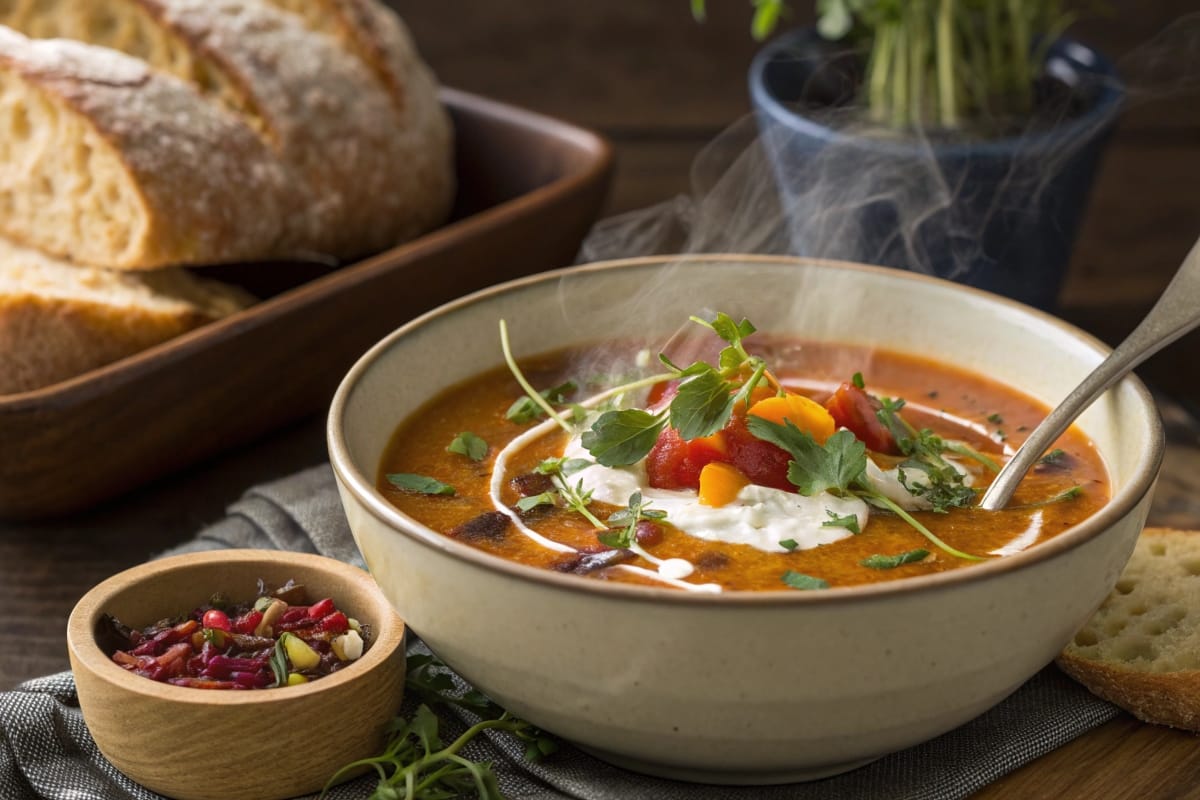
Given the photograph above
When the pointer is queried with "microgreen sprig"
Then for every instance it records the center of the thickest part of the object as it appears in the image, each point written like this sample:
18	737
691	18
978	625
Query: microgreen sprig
622	524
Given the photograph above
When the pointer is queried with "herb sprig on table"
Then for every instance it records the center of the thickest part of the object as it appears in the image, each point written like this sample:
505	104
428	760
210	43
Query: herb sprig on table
417	765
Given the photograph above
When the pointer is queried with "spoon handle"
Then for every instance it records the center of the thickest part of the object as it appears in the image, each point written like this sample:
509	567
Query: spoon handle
1176	312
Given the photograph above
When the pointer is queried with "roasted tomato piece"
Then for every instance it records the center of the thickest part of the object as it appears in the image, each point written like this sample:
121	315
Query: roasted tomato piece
762	462
676	464
854	409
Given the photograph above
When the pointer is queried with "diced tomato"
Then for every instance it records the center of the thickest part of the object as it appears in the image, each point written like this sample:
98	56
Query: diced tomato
762	462
853	409
676	464
661	393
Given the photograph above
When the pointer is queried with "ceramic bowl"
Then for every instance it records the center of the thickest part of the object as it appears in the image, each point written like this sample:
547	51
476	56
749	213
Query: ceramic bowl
195	744
742	687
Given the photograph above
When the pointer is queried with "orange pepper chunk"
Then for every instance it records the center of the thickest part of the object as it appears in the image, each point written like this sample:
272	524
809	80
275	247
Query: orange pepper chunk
806	414
720	483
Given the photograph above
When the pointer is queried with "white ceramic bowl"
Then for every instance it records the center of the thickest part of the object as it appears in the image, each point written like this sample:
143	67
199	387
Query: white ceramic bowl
742	688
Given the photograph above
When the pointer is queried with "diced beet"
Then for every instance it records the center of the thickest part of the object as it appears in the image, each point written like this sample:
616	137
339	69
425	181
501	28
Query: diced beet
247	622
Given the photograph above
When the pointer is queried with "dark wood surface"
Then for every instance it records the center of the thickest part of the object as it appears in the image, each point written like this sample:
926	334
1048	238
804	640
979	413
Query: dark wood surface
661	88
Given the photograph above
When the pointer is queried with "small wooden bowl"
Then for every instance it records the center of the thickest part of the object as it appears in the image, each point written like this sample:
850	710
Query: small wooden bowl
194	744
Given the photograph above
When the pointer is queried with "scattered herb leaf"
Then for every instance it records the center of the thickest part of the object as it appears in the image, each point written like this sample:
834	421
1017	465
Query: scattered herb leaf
623	523
535	500
849	522
422	484
526	409
891	562
858	381
798	580
995	419
469	445
789	544
1053	457
621	438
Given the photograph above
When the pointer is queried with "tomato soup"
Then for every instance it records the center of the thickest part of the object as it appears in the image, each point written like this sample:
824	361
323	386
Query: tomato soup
769	464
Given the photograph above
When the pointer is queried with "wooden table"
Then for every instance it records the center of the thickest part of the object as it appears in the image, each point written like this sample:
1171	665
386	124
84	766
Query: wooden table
661	88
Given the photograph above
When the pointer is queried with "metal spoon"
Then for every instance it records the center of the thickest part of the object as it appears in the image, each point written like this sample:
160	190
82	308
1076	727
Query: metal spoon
1176	312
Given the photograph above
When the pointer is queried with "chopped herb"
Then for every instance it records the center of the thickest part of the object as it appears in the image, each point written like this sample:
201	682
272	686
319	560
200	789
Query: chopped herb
1053	457
535	500
526	409
469	445
849	522
1062	497
279	664
562	466
789	544
623	523
891	562
421	484
858	381
798	580
995	419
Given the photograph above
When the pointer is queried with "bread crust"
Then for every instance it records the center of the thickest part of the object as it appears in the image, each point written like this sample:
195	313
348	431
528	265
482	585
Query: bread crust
1139	650
364	171
209	189
59	320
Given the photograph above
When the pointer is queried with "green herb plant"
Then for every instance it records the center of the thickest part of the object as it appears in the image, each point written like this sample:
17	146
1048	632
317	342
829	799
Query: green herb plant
417	765
948	64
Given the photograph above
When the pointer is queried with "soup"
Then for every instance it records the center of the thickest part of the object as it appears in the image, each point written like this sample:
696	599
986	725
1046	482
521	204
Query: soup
735	462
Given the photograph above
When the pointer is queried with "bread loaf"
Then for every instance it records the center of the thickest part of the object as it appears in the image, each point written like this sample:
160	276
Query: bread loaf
353	118
58	320
103	161
1141	649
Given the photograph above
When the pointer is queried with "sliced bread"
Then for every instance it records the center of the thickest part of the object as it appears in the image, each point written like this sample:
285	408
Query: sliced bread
1141	649
365	172
59	320
103	161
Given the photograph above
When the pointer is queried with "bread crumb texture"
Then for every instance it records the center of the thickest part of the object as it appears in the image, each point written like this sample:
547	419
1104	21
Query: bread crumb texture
1141	649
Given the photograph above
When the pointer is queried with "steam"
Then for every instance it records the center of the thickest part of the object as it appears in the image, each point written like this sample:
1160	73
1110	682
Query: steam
868	196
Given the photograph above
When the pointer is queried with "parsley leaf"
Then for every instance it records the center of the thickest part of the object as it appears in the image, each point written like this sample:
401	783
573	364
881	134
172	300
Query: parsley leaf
534	500
621	438
798	580
891	562
469	445
849	522
525	409
702	406
789	544
834	467
421	484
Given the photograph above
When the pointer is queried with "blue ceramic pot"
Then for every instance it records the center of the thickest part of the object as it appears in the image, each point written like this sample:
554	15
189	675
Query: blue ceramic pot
998	214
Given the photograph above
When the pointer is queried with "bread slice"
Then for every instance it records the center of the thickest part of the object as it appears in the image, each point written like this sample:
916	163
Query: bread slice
103	161
1141	649
59	320
366	172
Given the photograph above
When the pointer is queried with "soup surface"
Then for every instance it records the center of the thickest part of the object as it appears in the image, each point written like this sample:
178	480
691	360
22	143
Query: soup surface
846	485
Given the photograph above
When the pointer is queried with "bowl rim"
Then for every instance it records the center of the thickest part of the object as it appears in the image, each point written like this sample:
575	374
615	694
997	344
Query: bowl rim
82	642
364	492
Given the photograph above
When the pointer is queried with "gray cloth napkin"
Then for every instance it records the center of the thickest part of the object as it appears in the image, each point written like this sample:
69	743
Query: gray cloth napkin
47	752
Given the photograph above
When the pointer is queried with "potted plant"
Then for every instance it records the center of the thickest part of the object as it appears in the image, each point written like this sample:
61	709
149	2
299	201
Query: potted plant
954	137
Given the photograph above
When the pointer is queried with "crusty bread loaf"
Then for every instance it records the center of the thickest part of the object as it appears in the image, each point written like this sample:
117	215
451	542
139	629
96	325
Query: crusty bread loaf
366	171
1141	649
58	320
103	161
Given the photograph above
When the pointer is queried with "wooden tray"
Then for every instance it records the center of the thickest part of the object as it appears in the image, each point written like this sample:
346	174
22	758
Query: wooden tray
529	189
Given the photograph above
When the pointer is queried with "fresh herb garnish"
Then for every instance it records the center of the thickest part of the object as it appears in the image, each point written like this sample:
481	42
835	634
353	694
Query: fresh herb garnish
621	438
421	484
622	533
575	497
469	445
995	419
535	500
849	522
1053	457
789	544
858	381
891	562
417	765
279	664
525	409
798	580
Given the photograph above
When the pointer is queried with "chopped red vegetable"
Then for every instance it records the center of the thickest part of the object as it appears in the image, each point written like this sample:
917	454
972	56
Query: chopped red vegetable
226	646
